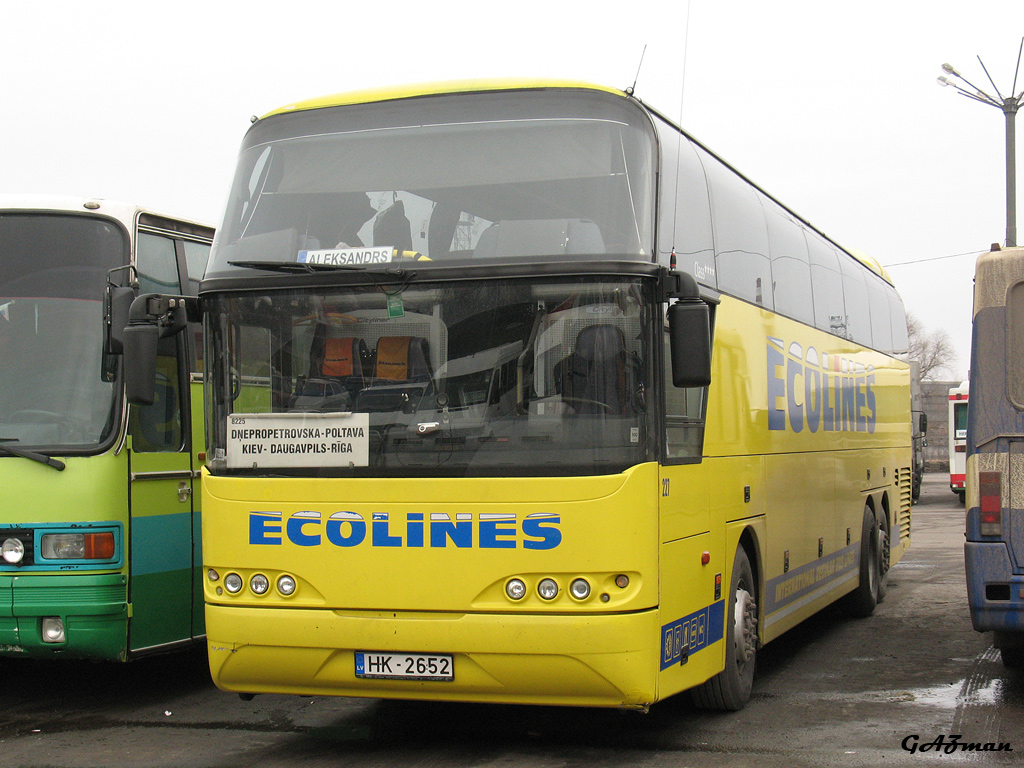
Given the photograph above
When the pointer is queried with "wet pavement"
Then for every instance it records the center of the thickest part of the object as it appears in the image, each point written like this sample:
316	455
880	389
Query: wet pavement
835	691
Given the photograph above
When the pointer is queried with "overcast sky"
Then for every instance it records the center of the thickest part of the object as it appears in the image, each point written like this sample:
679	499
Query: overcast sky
832	107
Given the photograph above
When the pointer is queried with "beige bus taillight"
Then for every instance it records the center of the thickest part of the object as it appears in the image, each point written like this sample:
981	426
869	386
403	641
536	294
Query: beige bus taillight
990	504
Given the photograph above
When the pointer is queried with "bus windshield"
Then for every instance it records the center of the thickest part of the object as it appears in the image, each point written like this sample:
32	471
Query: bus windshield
960	421
491	377
53	270
548	176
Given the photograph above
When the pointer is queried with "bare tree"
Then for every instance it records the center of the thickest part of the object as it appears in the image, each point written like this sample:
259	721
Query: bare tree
933	350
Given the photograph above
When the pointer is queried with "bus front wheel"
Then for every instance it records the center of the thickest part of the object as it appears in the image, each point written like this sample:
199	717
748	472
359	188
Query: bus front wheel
1011	648
730	689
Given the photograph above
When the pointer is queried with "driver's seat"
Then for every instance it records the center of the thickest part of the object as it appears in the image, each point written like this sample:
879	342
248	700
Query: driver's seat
601	375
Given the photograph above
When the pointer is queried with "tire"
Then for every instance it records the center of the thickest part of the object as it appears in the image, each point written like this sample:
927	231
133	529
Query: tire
729	690
1013	658
873	572
1011	648
884	554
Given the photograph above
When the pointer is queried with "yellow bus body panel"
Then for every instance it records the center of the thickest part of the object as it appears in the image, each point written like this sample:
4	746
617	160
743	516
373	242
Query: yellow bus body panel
595	660
769	455
393	593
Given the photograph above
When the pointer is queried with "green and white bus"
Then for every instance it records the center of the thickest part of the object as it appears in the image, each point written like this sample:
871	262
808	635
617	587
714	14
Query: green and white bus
100	527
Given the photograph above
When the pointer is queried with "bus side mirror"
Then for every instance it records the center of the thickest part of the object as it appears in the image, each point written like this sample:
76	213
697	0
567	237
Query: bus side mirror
923	424
140	344
689	330
151	317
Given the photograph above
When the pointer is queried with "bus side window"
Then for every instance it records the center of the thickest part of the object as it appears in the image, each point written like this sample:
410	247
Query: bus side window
685	221
684	413
1015	345
791	269
741	236
157	427
827	287
878	304
855	298
157	263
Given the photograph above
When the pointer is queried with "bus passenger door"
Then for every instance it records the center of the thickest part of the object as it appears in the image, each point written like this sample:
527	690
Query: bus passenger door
162	502
161	525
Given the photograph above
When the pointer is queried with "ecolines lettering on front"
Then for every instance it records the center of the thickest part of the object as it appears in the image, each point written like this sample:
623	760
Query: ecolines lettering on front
487	530
829	393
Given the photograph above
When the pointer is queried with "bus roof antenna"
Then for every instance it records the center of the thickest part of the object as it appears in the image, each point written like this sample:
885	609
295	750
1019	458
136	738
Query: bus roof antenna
632	88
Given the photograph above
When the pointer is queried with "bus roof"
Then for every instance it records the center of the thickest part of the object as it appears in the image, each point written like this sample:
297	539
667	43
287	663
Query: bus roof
391	93
124	212
995	270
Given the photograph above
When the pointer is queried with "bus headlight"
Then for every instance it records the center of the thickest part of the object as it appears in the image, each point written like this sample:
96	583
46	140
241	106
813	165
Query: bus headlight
515	589
233	583
548	589
580	589
13	551
77	546
286	585
52	629
259	584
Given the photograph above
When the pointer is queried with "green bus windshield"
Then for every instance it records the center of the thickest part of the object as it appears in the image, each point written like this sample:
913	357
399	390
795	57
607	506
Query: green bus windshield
547	175
53	270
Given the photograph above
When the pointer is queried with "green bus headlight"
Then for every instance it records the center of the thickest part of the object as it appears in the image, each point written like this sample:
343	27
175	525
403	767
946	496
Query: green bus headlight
77	546
13	551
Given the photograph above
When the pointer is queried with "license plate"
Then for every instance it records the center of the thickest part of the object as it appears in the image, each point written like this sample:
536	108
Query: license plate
404	666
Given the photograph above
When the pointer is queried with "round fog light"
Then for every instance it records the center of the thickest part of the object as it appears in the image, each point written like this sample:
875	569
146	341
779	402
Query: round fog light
259	584
286	585
547	589
515	589
580	589
233	583
13	551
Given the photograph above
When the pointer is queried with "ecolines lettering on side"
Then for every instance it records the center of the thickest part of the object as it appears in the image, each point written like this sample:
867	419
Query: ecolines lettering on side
823	392
539	530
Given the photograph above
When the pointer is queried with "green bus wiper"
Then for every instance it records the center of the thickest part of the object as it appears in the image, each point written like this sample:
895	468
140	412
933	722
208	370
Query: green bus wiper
26	454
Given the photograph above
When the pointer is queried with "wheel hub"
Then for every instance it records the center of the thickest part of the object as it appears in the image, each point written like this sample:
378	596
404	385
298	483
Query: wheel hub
745	626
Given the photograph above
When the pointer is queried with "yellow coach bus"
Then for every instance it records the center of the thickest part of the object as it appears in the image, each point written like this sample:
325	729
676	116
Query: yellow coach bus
517	393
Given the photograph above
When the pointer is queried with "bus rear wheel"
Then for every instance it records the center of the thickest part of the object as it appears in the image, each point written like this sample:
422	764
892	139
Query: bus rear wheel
730	689
874	567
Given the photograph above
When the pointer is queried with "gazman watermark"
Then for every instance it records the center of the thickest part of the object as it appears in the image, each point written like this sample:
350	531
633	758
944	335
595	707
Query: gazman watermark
950	744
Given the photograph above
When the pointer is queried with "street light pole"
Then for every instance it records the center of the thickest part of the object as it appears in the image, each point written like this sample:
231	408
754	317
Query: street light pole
1010	110
1009	106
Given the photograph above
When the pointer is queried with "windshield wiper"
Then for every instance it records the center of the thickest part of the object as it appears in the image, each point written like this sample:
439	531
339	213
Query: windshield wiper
26	454
291	266
302	267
